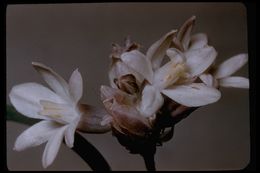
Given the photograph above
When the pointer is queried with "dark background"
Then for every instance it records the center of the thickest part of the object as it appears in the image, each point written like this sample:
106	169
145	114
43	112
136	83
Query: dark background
70	36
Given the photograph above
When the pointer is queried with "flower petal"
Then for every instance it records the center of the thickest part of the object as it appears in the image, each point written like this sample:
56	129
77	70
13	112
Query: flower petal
54	80
157	51
61	113
198	60
35	135
185	32
119	68
234	81
231	65
76	85
69	134
175	55
198	41
52	147
207	79
91	120
168	74
151	101
26	98
193	95
139	62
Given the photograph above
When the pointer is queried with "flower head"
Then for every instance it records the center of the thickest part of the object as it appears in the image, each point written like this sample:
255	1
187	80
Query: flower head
58	108
151	92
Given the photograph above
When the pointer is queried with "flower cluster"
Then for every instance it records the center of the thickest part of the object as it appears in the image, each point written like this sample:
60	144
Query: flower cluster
147	93
177	73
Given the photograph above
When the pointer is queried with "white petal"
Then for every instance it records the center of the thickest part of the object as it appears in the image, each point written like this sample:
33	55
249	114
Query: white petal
175	55
198	60
234	81
193	95
231	65
168	74
198	41
61	113
35	135
52	147
120	69
185	32
76	85
207	79
69	134
137	61
54	80
157	51
26	98
151	101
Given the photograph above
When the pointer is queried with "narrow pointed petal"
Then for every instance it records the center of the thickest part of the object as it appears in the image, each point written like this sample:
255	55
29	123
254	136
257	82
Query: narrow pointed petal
26	98
52	147
91	119
120	69
177	44
157	51
139	62
198	60
198	41
231	65
76	85
234	81
35	135
184	33
193	95
207	79
53	79
151	101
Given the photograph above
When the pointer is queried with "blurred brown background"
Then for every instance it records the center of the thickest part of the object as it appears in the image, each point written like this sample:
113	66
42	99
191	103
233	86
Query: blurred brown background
70	36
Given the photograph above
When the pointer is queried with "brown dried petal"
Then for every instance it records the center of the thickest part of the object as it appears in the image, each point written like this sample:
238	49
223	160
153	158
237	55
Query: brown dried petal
127	83
127	117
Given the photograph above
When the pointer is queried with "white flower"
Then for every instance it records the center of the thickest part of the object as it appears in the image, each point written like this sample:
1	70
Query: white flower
175	78
58	109
221	76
